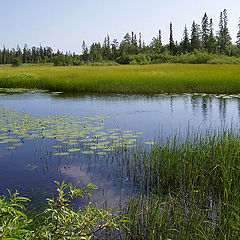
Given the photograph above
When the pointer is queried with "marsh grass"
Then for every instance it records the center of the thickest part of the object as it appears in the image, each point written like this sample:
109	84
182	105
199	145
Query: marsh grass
189	188
134	79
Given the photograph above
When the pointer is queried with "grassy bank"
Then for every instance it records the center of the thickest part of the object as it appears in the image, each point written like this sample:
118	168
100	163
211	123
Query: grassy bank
136	79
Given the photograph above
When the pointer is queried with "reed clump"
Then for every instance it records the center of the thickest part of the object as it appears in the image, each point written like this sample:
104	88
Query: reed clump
133	79
189	188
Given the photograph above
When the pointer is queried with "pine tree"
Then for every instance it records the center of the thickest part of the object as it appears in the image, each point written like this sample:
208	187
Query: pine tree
224	39
195	37
220	34
238	36
171	42
115	46
205	31
211	40
133	45
160	37
140	40
227	37
4	57
125	44
185	44
84	51
156	43
24	57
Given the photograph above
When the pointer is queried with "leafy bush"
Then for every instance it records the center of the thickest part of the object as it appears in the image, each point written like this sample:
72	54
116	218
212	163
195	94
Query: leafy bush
141	59
60	60
124	59
16	62
57	219
77	62
224	60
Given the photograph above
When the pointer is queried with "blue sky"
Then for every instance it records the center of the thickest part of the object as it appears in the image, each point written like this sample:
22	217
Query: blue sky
64	24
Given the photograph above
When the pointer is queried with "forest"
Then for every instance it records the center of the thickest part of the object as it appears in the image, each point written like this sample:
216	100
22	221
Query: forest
200	45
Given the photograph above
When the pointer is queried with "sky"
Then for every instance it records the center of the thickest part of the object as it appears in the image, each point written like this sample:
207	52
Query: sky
64	24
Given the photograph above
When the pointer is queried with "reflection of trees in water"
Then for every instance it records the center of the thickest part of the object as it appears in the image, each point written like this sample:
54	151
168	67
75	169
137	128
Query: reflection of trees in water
204	107
238	104
171	103
222	109
195	101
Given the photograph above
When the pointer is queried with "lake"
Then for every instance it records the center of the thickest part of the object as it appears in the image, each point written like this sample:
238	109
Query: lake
50	136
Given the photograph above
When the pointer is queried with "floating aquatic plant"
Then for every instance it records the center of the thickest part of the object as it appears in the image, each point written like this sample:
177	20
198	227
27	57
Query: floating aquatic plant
71	133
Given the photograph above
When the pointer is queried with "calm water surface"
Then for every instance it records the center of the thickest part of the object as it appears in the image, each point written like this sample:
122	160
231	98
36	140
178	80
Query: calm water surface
33	165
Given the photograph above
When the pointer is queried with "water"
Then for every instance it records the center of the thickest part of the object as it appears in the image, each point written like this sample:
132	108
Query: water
34	165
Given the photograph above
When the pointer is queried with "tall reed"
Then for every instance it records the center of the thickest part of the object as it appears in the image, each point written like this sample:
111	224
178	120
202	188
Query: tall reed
189	188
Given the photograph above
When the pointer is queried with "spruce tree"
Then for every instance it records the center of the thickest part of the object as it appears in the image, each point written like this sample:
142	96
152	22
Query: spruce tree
205	31
24	57
171	42
211	40
140	40
84	51
224	39
195	37
220	35
227	37
156	43
238	36
185	44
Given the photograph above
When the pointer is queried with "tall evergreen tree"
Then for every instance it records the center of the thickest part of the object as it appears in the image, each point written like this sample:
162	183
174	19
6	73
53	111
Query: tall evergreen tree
133	45
227	37
4	57
140	40
24	57
156	43
160	37
125	44
19	53
185	44
106	48
211	40
171	42
85	51
238	36
205	32
220	34
115	47
195	36
224	39
93	53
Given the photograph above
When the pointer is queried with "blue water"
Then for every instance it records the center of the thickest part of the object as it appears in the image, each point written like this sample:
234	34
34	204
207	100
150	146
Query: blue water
33	166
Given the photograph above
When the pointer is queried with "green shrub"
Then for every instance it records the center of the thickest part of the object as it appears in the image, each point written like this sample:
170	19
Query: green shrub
16	62
60	60
57	219
224	60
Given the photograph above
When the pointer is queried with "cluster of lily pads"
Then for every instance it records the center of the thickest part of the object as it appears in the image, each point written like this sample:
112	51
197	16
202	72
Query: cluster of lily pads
7	91
71	133
223	96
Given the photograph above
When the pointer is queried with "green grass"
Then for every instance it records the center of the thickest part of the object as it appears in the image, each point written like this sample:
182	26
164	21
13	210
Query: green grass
135	79
189	188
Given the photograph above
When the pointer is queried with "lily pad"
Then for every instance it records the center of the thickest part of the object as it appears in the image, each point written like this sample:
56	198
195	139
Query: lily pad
74	150
61	154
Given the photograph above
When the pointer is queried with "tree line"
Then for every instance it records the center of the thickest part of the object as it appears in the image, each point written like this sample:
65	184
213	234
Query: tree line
201	42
